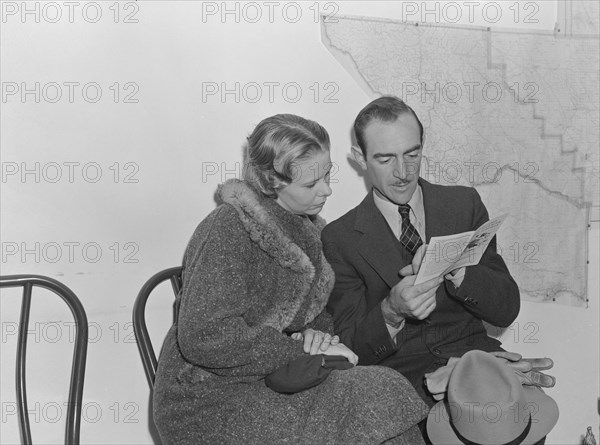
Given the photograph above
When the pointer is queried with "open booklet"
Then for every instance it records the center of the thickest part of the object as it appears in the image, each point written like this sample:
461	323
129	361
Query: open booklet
447	253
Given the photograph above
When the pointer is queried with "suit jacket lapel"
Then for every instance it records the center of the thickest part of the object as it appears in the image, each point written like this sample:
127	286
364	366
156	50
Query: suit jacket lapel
378	245
437	212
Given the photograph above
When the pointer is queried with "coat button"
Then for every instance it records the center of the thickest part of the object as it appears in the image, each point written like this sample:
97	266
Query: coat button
437	351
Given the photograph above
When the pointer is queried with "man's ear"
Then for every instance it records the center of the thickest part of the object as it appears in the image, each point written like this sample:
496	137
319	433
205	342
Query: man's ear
359	157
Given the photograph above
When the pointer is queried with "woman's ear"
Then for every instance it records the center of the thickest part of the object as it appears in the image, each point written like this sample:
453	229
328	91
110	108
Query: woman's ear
276	183
359	156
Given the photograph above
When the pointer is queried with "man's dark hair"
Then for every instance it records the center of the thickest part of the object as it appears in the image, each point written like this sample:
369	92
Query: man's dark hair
383	109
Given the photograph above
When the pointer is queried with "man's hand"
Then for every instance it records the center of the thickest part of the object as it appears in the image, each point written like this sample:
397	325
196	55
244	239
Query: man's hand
316	342
410	301
407	300
528	369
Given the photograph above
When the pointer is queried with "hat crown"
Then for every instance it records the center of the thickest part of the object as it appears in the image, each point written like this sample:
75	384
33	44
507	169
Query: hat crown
482	393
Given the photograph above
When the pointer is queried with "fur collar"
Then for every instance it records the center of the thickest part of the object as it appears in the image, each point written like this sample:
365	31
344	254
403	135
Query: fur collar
266	231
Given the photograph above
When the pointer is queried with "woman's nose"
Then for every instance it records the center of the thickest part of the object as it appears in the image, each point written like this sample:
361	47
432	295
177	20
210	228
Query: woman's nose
326	189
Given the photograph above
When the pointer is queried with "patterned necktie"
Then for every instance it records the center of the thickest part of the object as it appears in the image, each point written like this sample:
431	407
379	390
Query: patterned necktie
410	237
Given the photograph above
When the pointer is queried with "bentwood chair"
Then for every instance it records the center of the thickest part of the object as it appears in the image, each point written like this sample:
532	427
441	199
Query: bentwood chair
140	329
79	353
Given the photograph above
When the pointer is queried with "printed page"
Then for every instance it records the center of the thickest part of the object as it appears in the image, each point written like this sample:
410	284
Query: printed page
441	255
478	243
447	253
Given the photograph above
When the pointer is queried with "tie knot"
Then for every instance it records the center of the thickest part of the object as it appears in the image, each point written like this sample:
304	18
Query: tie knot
404	210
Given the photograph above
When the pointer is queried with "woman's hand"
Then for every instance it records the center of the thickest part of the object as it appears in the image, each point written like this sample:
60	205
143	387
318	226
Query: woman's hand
343	350
316	342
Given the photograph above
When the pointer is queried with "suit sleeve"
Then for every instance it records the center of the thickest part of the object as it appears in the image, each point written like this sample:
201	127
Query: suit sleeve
360	328
488	290
212	332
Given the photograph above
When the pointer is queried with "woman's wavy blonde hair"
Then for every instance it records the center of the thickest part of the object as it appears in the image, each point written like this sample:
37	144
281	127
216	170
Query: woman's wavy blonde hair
275	146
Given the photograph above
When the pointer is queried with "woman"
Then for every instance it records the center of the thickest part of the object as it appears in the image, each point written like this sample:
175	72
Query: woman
255	285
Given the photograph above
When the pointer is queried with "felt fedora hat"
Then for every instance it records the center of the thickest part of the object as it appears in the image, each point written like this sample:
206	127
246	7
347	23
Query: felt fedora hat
486	404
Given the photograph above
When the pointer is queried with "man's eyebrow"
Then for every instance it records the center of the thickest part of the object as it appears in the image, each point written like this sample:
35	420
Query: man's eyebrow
415	148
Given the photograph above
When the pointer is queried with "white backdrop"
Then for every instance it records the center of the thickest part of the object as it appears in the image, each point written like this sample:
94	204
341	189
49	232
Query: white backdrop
119	120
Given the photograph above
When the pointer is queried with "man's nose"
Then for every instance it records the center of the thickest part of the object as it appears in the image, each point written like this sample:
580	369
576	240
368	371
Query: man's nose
400	171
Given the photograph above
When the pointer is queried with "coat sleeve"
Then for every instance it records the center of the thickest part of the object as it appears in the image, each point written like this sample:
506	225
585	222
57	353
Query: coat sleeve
488	290
212	332
322	322
360	328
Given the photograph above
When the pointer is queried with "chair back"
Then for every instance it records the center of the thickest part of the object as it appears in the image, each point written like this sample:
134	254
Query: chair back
79	352
140	329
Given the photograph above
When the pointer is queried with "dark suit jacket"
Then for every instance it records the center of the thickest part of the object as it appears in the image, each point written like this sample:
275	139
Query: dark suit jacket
366	257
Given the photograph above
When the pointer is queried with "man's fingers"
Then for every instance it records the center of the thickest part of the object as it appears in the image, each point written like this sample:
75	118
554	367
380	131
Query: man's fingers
422	305
433	283
430	309
512	356
522	366
540	363
335	340
536	378
422	300
406	271
418	258
425	309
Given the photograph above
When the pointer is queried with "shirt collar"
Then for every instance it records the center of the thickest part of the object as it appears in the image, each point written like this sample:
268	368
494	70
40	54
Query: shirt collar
389	210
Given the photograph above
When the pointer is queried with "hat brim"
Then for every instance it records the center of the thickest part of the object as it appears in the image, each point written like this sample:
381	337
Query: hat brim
544	415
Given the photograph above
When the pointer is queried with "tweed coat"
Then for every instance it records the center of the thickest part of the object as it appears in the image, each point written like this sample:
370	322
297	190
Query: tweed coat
253	274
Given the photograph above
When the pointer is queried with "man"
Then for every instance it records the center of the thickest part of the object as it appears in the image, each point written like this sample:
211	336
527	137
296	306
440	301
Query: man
376	248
